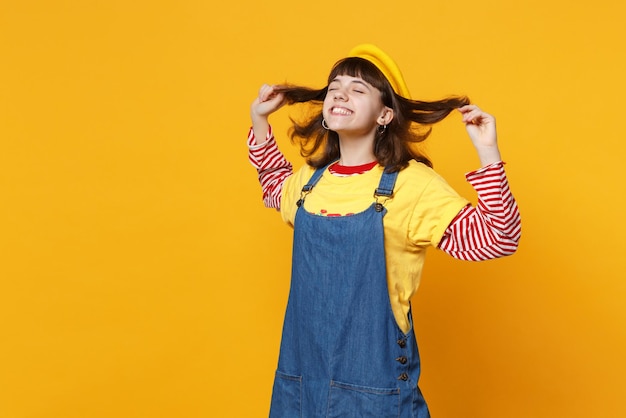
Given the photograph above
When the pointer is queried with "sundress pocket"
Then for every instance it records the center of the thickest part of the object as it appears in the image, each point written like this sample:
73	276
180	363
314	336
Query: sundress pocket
348	400
286	396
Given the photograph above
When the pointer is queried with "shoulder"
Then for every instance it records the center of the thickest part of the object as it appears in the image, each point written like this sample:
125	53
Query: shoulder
423	189
291	192
299	178
430	202
417	168
419	176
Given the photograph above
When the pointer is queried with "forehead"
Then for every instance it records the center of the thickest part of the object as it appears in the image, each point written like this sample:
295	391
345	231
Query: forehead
359	68
348	79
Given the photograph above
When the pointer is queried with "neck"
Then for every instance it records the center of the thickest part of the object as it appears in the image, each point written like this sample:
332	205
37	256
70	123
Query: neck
356	151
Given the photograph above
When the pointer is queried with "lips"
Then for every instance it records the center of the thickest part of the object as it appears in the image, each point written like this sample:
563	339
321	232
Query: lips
342	111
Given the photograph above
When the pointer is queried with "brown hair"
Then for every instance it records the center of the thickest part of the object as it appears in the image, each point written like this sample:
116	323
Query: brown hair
393	148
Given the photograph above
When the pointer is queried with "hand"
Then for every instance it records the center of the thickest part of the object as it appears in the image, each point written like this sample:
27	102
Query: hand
481	127
267	102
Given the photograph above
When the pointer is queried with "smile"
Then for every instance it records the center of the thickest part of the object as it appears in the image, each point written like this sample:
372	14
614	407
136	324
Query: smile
340	111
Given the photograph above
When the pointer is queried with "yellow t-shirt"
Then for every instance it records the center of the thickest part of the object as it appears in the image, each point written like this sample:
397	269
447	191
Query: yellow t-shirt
418	214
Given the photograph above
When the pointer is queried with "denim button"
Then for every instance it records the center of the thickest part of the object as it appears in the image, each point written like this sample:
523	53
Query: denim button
404	377
402	343
402	359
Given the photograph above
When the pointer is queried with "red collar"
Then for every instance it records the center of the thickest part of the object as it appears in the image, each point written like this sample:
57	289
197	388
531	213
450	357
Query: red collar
348	170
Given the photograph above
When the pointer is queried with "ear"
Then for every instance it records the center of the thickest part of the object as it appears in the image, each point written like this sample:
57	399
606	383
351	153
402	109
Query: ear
386	117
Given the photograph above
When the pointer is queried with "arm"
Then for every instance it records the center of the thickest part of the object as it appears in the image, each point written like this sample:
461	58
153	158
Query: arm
490	230
264	155
267	102
271	165
481	128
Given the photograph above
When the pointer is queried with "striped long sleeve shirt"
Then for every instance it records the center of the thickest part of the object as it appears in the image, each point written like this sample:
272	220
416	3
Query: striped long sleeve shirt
491	229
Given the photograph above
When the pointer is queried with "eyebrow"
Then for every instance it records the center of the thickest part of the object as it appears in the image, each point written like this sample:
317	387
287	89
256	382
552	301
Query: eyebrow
356	81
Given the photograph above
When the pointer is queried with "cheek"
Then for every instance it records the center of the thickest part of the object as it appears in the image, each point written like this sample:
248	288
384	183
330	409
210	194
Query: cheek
374	111
326	105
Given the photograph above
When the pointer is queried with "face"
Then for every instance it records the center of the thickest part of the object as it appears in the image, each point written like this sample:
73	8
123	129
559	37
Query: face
354	107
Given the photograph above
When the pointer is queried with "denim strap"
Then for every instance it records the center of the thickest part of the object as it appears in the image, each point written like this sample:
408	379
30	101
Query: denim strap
384	189
387	182
314	179
309	186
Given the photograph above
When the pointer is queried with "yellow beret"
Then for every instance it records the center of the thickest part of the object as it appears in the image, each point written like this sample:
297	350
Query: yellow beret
385	64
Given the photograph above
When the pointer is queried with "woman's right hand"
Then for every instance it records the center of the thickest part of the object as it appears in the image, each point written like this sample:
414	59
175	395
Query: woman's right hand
267	102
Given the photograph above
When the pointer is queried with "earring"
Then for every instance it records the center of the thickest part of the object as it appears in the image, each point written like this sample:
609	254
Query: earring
324	124
381	129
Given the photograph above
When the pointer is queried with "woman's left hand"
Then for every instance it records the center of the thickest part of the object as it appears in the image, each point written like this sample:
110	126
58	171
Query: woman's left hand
481	127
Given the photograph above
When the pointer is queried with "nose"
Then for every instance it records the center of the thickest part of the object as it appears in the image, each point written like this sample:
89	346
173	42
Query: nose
339	94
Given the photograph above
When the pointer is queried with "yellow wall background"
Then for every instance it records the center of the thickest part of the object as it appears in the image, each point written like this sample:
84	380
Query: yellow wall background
140	275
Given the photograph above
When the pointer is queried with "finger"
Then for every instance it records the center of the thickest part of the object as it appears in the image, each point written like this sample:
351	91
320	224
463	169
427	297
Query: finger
263	89
264	92
474	117
470	114
468	108
267	92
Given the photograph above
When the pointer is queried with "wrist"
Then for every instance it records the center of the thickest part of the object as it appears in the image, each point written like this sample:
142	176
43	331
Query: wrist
260	120
489	155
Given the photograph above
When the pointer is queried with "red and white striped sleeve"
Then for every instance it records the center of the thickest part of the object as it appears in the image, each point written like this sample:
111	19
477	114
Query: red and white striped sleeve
271	165
490	230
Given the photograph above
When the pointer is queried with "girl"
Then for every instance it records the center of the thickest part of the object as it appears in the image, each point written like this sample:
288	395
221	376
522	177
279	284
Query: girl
364	209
